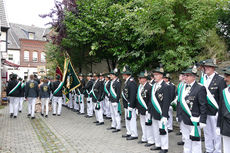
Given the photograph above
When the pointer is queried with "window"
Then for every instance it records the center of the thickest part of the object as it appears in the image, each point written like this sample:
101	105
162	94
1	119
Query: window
26	56
31	35
35	56
10	57
43	57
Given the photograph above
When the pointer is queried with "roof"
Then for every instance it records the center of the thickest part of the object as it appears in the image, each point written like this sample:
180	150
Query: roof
3	17
19	31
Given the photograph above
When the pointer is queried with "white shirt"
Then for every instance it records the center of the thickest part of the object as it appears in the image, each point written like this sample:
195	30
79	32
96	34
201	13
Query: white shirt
209	79
158	84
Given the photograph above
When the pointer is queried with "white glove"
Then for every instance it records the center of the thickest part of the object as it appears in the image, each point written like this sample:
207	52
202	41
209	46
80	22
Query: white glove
218	131
164	120
202	125
137	111
177	119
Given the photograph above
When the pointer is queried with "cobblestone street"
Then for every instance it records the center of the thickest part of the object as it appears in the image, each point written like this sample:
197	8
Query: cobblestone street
69	132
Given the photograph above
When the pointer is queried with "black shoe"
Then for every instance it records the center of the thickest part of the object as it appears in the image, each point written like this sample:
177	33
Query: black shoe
89	117
100	123
164	151
207	152
104	115
42	114
178	133
131	138
169	131
20	111
155	148
149	144
86	116
58	114
111	128
82	114
32	118
54	114
125	135
140	142
96	122
107	118
15	116
28	115
46	116
11	115
115	131
181	143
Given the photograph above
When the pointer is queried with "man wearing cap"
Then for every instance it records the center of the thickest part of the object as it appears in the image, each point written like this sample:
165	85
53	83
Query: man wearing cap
81	95
13	91
57	88
159	107
106	92
22	95
151	79
129	93
224	113
172	91
114	92
214	85
44	95
96	95
88	89
193	104
143	98
102	99
31	94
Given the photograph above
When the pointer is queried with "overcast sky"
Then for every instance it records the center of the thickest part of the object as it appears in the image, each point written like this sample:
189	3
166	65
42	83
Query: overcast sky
27	11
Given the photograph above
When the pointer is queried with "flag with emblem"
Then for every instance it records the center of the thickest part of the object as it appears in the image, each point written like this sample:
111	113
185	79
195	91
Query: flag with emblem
59	72
70	79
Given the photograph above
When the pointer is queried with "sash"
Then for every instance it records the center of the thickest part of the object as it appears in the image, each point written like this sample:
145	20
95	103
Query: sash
211	100
105	89
112	91
140	98
226	96
157	107
202	78
17	85
58	88
194	135
92	91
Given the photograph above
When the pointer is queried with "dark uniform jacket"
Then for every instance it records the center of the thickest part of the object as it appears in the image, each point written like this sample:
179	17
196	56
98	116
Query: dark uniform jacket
97	89
102	92
107	87
172	91
146	95
44	91
81	87
216	87
10	86
178	107
197	102
163	96
152	82
224	117
31	89
54	86
88	87
22	93
117	89
130	93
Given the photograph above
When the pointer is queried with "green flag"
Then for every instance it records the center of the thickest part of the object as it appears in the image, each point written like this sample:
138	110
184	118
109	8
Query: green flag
70	78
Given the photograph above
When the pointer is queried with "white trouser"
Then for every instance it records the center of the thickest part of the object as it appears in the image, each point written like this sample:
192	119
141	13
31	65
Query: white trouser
103	107
143	127
14	105
45	103
181	130
133	124
107	107
20	103
127	125
89	106
163	143
149	133
116	118
189	145
57	100
170	119
31	105
71	104
82	108
98	113
64	100
226	143
212	140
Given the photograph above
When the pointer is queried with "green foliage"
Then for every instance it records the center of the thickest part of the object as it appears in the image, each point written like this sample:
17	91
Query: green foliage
143	33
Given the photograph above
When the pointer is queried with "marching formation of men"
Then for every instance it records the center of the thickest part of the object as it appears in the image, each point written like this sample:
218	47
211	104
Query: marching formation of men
200	106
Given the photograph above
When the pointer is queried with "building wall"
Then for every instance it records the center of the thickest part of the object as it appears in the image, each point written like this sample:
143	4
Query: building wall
13	56
32	46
